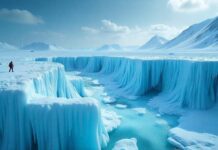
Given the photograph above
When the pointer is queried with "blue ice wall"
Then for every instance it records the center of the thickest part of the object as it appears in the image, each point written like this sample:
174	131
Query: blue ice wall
188	83
64	124
79	86
46	112
54	83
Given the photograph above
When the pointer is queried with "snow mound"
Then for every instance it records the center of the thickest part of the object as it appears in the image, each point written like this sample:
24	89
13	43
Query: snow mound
154	42
126	144
110	120
184	139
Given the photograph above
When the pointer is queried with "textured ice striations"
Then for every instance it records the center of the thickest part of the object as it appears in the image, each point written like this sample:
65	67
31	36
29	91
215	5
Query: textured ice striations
79	85
184	83
40	109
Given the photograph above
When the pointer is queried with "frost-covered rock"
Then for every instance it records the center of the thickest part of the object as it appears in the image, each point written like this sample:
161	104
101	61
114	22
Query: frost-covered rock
126	144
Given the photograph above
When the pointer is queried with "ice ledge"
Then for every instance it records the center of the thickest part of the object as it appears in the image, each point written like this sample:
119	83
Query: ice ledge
184	139
37	78
32	117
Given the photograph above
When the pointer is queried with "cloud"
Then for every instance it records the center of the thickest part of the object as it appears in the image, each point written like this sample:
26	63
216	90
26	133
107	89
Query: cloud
164	30
89	30
107	27
191	5
19	16
111	32
111	27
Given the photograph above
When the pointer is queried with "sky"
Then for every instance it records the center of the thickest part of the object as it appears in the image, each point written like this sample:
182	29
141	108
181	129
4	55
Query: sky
76	24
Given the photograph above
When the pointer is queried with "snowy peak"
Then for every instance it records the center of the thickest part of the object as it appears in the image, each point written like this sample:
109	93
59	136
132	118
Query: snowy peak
201	35
110	47
154	42
39	46
214	25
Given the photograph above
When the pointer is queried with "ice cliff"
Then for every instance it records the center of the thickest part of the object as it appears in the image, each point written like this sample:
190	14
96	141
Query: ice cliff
184	83
41	109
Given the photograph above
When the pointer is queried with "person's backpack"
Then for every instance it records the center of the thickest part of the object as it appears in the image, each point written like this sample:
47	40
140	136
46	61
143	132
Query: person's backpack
10	64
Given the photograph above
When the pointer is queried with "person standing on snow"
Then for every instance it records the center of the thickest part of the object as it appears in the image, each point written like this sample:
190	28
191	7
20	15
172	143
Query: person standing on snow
11	66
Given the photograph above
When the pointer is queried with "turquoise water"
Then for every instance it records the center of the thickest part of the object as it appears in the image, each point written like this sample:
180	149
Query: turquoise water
150	129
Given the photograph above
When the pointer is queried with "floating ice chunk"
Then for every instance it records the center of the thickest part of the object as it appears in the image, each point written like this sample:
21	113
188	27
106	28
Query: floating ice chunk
121	106
96	82
158	115
108	100
104	94
126	144
161	122
140	111
184	139
110	119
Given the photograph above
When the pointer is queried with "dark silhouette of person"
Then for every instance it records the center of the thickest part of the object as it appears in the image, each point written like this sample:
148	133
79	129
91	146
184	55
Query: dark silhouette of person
11	66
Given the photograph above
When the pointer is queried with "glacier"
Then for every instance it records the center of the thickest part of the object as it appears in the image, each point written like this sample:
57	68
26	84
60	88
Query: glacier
41	109
53	111
184	83
185	86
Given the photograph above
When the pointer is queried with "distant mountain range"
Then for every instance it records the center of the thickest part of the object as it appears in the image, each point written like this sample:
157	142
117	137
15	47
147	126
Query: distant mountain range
154	42
6	46
39	46
198	36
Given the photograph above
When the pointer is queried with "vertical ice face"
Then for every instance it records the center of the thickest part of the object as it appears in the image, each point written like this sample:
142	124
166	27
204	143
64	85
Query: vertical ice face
41	109
187	83
64	124
54	83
